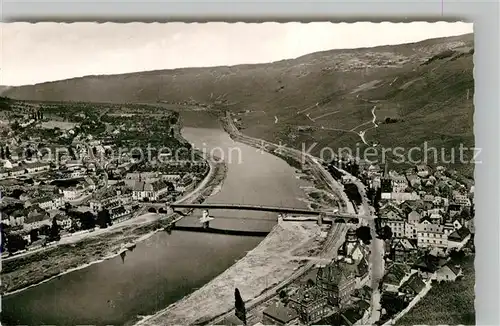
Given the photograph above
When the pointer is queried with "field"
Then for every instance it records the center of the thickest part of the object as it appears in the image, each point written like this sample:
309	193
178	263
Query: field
447	303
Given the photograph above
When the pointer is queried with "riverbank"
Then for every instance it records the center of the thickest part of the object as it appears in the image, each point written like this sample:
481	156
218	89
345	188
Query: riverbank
272	261
30	270
282	256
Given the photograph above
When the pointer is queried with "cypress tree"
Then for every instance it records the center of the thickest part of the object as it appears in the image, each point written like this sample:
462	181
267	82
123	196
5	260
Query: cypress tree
54	230
239	307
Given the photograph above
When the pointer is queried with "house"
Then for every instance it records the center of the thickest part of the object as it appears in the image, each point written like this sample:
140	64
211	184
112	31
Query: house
403	251
436	218
461	200
431	235
118	213
16	218
427	266
395	222
414	217
142	176
428	198
410	231
470	225
17	171
278	314
64	221
394	277
456	224
150	191
185	185
414	180
49	202
72	193
399	183
448	272
336	282
37	167
353	315
311	304
459	238
36	219
404	196
373	170
363	293
352	248
412	287
171	177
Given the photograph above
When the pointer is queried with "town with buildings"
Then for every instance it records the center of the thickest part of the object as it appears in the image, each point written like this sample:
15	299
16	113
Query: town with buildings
61	173
425	218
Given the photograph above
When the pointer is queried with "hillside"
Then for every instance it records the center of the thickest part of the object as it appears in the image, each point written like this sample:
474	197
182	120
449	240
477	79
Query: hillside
426	90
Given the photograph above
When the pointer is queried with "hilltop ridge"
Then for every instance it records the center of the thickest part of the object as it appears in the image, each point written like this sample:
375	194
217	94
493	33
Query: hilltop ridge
422	92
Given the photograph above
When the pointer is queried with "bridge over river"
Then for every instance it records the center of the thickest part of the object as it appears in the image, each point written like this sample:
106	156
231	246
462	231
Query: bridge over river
276	209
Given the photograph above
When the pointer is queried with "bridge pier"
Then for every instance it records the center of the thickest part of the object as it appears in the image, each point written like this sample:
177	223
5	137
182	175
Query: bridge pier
321	216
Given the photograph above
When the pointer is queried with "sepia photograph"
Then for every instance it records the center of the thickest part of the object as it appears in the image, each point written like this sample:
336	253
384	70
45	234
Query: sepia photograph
237	173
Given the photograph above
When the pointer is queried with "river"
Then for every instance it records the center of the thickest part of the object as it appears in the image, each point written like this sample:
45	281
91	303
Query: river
164	268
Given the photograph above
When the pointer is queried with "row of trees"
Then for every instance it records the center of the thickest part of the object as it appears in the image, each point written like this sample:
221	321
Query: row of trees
12	243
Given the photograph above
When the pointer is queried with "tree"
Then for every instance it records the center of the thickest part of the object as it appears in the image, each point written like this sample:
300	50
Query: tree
104	218
7	152
284	296
15	243
3	237
170	186
465	214
385	233
2	153
87	220
239	307
364	234
33	235
54	231
44	230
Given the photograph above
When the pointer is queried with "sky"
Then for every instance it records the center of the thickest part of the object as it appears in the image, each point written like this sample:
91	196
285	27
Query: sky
34	53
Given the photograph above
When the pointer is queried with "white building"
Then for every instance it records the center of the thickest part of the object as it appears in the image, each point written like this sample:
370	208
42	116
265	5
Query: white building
150	191
72	193
462	200
403	196
397	225
17	171
37	167
431	235
171	177
458	238
49	203
410	230
399	183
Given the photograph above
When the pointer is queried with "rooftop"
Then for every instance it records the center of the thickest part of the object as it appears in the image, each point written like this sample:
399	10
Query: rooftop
279	312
